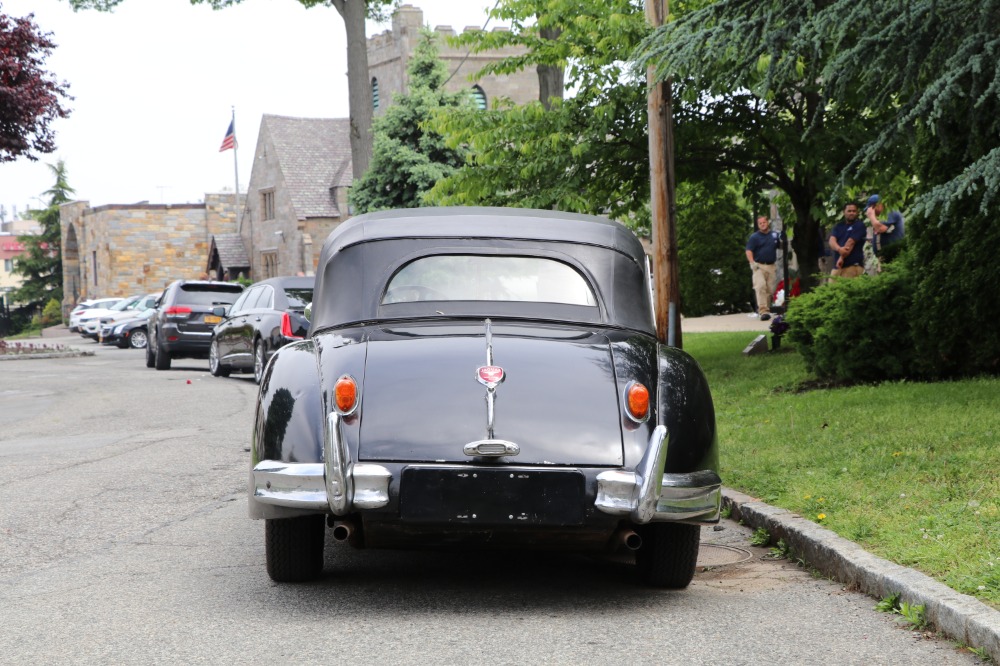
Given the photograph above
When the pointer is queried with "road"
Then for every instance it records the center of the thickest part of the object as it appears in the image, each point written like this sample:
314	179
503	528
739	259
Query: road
124	539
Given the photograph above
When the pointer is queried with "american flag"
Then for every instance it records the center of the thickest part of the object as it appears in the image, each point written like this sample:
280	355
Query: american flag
230	141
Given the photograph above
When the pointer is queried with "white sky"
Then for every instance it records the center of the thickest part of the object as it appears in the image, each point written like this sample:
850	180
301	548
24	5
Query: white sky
154	84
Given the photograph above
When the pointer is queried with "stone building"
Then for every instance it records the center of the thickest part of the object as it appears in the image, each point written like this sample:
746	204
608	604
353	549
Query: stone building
390	51
297	192
296	196
118	250
302	166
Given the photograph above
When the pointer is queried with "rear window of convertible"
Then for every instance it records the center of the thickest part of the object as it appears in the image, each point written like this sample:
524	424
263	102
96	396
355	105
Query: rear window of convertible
489	278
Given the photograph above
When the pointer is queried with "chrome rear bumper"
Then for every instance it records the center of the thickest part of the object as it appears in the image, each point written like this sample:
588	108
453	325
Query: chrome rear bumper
341	486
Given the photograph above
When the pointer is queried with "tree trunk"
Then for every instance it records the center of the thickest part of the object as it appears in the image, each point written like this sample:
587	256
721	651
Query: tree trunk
358	84
550	77
806	242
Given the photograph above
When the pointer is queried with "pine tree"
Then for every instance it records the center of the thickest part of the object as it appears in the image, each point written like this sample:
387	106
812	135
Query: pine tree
408	158
41	265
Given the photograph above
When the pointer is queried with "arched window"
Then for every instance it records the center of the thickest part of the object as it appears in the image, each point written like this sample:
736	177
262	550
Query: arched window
478	97
375	93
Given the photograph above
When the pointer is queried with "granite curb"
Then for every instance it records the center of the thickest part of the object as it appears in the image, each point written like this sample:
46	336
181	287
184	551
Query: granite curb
958	616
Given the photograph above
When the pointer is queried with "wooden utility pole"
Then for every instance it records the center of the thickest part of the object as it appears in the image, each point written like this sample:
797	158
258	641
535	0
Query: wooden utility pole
661	175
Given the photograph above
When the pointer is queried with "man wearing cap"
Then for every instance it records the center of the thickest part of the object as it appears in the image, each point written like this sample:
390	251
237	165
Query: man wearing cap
883	233
847	240
762	253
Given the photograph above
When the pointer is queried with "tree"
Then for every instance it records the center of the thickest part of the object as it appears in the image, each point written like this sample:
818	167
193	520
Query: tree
938	66
41	265
595	141
30	99
353	12
409	158
590	153
755	99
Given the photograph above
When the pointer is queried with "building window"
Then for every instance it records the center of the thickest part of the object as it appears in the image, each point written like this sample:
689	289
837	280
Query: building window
375	93
93	265
478	97
270	261
8	265
267	204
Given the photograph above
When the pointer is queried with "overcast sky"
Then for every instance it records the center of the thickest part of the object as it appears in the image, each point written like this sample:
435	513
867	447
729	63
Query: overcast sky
155	83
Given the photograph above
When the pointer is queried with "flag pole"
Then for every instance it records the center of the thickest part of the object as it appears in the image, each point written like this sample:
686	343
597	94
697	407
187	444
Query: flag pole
236	170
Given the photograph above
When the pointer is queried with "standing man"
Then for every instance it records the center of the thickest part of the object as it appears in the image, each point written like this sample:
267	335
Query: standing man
883	233
762	252
847	240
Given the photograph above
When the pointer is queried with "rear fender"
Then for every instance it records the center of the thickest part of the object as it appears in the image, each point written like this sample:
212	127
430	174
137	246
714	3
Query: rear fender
684	406
290	408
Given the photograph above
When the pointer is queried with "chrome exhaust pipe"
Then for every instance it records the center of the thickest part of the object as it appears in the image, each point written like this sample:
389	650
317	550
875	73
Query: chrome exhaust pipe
632	540
343	530
628	538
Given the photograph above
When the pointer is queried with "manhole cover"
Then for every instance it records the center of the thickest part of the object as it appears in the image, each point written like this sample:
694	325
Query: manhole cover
717	555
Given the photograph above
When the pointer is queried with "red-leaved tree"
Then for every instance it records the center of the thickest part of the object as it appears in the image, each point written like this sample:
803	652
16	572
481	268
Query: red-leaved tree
30	98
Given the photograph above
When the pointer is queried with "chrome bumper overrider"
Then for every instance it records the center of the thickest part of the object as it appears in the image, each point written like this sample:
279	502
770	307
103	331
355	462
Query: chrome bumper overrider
341	486
646	495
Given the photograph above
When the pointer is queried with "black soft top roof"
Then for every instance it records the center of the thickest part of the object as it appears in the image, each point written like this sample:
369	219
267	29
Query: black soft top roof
481	222
361	255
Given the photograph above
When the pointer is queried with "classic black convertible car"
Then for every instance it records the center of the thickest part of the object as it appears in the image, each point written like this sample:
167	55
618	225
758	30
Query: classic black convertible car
484	378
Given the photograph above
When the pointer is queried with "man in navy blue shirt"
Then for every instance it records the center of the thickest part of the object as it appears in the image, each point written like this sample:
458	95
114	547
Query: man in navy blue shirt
762	253
847	240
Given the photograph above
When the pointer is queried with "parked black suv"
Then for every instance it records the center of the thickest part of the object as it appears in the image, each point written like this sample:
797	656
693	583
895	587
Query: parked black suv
183	323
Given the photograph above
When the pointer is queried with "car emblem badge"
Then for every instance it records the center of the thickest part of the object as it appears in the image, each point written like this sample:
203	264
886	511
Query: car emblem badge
490	376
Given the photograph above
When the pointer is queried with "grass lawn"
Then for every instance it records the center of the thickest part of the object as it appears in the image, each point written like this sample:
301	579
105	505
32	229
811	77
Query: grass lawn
910	471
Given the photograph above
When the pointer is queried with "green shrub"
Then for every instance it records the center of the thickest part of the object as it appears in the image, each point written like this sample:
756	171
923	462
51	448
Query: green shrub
52	314
857	329
956	300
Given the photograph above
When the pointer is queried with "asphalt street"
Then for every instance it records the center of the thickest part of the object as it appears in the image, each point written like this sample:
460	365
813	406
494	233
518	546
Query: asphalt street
124	539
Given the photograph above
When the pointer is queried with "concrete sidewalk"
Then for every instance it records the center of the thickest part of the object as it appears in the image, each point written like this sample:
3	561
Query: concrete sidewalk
741	321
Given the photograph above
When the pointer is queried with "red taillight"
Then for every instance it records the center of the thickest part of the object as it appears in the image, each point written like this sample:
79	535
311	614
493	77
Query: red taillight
345	394
637	401
177	311
286	327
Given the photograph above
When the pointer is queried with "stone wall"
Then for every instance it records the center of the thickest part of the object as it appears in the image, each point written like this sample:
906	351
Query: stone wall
139	248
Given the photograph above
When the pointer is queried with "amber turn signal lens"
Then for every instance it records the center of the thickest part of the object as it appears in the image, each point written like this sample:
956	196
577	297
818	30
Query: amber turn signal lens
345	394
637	397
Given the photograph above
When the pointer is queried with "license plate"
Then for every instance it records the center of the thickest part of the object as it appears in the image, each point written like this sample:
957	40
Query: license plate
212	319
483	496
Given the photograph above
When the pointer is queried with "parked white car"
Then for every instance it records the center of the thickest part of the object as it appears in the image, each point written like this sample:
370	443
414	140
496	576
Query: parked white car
84	306
90	321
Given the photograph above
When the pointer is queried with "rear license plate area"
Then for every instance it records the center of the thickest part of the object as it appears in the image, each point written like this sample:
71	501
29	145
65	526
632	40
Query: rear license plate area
491	496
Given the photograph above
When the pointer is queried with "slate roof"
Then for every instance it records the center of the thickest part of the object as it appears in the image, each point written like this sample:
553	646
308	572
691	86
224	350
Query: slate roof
315	156
232	254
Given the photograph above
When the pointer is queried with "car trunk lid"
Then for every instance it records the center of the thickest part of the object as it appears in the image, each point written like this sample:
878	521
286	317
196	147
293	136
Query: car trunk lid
424	400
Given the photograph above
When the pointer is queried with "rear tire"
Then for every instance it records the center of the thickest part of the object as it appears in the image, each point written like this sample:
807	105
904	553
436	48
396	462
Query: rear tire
668	555
294	548
150	358
162	358
214	362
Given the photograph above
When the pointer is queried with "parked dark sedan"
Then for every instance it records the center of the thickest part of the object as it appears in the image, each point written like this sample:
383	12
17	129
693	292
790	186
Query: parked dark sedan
129	333
183	323
266	317
484	378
